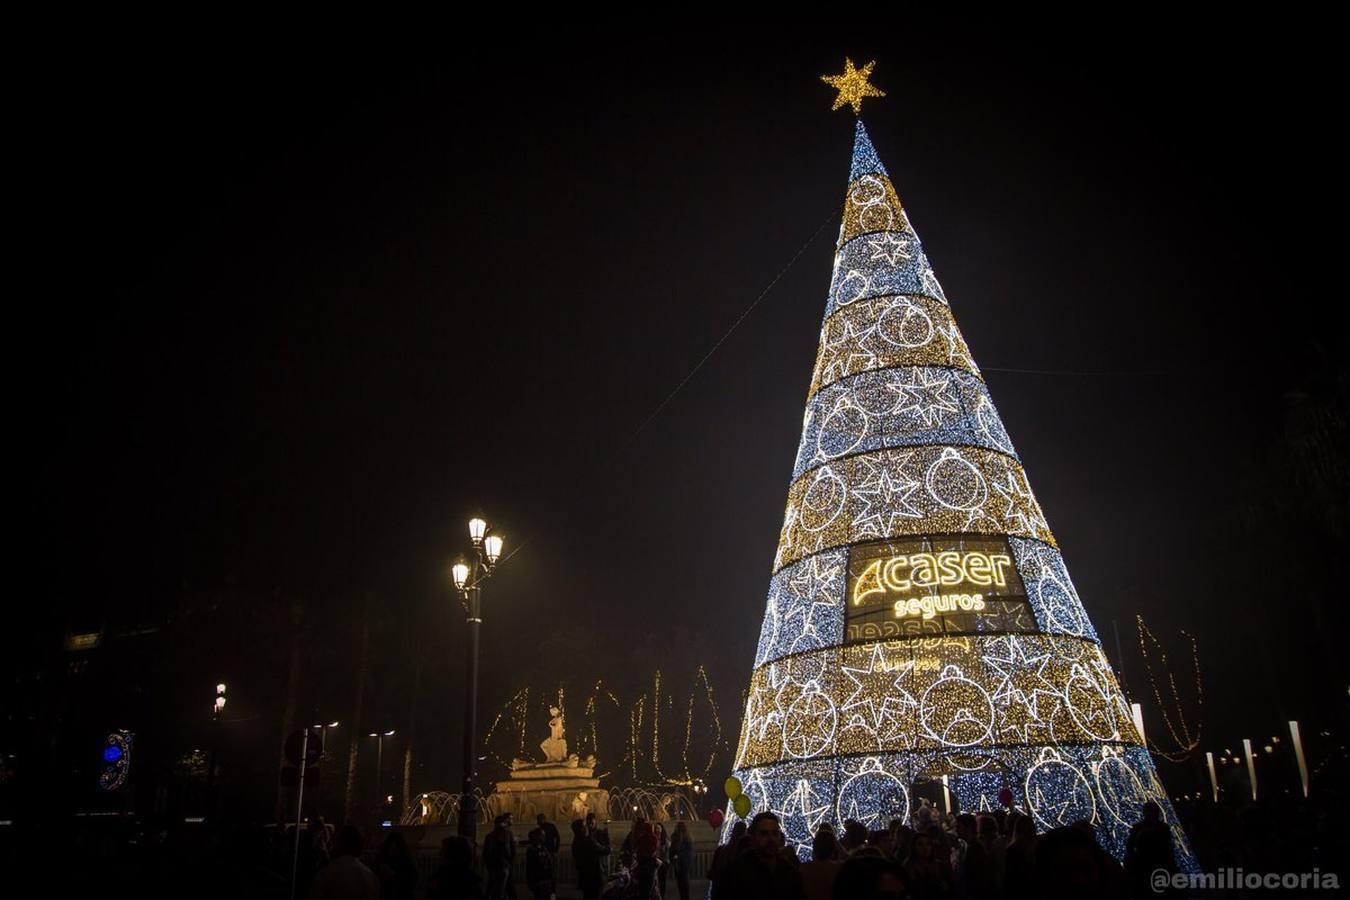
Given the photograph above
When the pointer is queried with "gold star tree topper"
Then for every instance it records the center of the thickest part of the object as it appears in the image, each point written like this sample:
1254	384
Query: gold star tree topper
852	85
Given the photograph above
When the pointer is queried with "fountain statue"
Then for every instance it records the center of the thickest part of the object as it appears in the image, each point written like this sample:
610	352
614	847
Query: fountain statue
562	787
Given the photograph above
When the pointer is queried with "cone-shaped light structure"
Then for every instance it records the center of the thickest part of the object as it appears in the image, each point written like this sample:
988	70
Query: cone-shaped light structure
922	632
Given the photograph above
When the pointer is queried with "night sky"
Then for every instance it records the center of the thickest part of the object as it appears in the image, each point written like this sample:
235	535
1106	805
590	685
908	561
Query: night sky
301	312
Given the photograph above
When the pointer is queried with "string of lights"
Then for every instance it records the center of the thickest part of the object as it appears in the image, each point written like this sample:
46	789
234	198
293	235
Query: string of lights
656	726
636	719
1186	741
518	702
643	754
718	742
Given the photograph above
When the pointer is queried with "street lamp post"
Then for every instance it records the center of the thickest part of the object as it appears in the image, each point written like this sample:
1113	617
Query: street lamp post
469	578
379	761
323	757
217	710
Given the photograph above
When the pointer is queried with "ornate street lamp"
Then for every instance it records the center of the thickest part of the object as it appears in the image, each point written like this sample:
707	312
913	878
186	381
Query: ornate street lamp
468	578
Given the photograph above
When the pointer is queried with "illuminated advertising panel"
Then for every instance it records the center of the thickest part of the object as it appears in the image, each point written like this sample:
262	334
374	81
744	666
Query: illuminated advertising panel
961	584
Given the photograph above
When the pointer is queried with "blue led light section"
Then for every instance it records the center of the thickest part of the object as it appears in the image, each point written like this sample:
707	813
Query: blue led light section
874	265
805	609
865	159
1051	592
978	791
873	790
801	794
1106	785
901	407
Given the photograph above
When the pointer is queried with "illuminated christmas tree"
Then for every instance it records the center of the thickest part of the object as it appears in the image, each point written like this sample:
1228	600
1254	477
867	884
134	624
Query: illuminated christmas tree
922	633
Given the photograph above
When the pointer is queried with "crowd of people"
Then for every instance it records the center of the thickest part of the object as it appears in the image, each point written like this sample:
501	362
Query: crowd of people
929	854
934	856
337	869
937	856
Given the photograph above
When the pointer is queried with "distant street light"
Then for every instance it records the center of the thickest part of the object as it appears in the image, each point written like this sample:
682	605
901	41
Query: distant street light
323	755
379	756
468	578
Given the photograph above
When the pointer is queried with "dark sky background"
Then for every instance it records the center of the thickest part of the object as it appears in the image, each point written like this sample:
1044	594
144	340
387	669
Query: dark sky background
303	310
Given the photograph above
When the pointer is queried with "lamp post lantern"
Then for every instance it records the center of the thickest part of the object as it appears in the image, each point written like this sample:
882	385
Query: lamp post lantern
379	757
468	578
217	710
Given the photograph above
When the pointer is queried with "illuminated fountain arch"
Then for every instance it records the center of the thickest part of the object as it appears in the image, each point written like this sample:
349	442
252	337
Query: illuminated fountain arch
655	803
442	808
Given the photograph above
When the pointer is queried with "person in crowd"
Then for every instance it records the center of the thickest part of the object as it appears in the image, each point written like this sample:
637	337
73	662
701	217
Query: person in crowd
601	838
539	866
924	816
901	843
818	874
855	836
974	869
346	877
1148	849
1070	865
863	877
645	863
825	846
396	870
552	840
627	850
454	878
662	858
724	855
1019	861
763	872
587	859
499	855
681	857
986	827
928	876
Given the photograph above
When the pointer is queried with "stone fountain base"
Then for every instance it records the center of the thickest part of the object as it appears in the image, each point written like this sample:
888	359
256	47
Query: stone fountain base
562	791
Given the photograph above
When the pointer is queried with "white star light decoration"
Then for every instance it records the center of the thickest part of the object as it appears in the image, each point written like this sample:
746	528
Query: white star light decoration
812	592
885	497
878	695
926	395
1021	510
1021	686
890	247
802	801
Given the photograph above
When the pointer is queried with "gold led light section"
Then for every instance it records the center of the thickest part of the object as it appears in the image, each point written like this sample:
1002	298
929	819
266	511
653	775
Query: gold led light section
912	491
933	693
